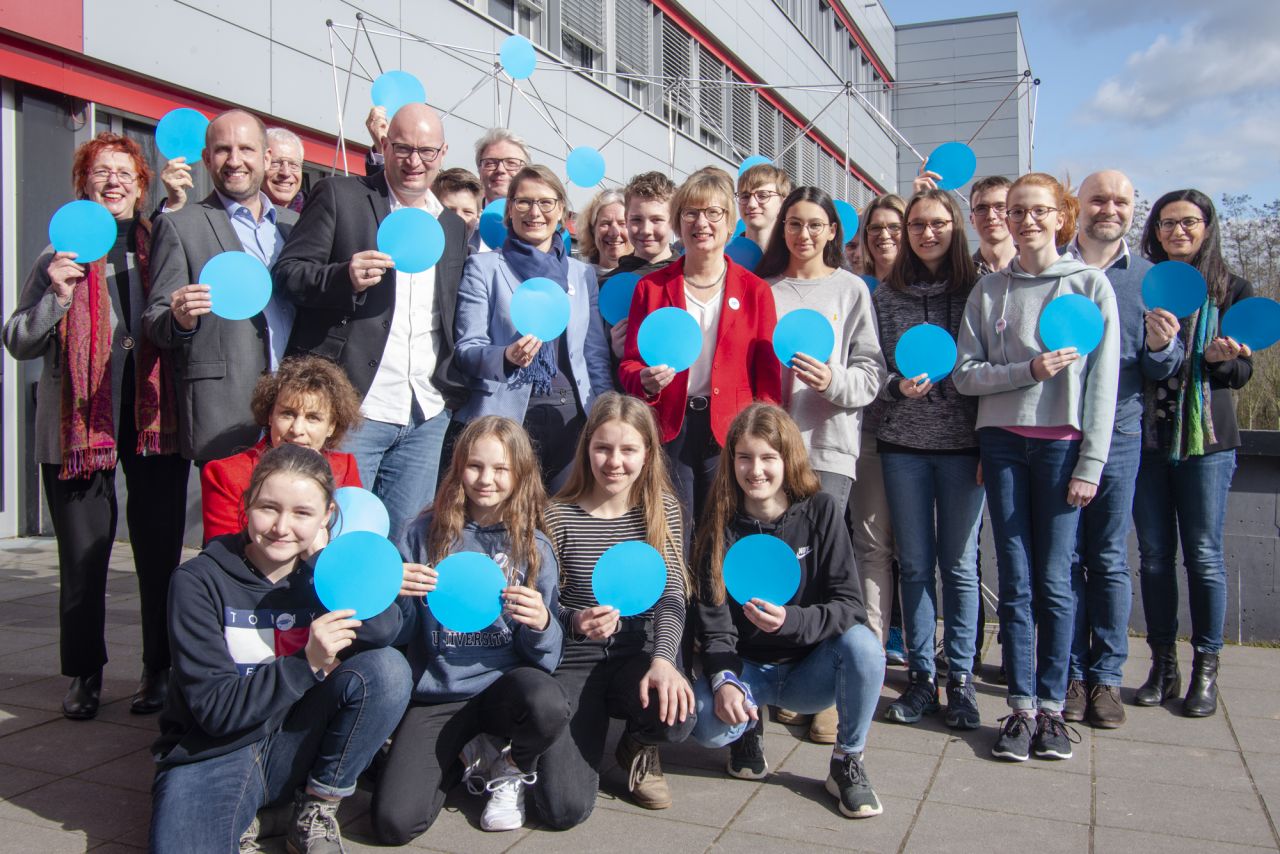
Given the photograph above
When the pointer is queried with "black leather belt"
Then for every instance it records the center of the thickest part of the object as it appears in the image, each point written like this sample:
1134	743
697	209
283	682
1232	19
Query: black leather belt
699	403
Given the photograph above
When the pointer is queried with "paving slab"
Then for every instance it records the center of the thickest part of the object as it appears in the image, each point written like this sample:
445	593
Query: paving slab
1187	811
943	828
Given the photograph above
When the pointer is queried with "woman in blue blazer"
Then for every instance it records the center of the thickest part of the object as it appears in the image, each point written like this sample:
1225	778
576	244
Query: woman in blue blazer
549	386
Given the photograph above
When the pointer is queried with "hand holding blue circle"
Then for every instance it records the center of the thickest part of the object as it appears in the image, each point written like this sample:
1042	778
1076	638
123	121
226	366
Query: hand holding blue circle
670	336
359	510
518	57
492	230
360	570
848	218
744	252
761	566
803	331
753	160
925	349
1176	287
468	594
585	166
413	238
615	297
83	227
393	89
1071	320
955	162
1254	322
630	577
180	133
239	285
540	308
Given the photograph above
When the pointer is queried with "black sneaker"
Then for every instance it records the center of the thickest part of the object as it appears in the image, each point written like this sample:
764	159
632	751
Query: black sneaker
847	781
920	698
746	755
1054	737
962	702
1014	742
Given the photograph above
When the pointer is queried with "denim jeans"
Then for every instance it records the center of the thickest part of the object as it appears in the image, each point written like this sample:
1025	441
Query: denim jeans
1035	538
1184	501
847	669
325	742
1100	576
400	463
935	503
837	486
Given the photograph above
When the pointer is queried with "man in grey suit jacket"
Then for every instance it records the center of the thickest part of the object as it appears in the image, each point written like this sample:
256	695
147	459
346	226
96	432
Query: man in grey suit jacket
218	361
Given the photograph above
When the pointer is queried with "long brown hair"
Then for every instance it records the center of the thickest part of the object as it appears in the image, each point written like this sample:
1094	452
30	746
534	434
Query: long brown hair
773	425
893	202
957	268
521	512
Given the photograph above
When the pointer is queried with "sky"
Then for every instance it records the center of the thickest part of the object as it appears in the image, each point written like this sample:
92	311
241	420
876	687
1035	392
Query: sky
1174	93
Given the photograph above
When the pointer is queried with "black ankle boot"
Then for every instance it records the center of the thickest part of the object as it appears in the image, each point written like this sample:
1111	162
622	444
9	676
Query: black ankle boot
1164	681
81	702
1202	694
152	690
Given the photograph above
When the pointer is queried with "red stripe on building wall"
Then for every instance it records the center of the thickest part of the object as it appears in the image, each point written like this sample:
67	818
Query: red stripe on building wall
58	22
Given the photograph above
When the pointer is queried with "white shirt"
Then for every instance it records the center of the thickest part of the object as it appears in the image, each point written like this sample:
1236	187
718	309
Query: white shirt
708	316
413	345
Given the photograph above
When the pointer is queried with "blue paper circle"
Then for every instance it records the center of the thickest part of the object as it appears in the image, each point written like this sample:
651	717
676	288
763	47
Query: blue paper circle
393	89
492	230
925	349
1071	320
955	162
585	166
468	594
239	285
360	570
803	331
848	219
83	227
518	57
670	336
630	577
1176	287
567	238
1254	321
615	297
740	228
753	160
744	251
540	308
180	133
413	238
761	566
871	282
360	510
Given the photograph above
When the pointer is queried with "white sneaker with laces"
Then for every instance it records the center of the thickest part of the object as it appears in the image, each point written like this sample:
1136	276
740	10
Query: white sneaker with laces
505	809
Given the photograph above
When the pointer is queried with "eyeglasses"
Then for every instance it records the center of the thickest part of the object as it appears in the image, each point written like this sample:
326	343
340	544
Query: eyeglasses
511	164
936	226
762	197
406	152
984	211
1188	223
713	214
1038	213
124	176
880	230
291	165
526	205
795	226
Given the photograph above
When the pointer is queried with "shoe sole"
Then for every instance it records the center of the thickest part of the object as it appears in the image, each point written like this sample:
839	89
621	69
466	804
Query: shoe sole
500	829
822	737
1097	724
1073	717
894	716
747	773
962	723
1010	757
865	812
1051	754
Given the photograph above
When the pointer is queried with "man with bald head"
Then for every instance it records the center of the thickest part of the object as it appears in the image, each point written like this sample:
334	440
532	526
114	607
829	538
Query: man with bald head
1150	348
392	331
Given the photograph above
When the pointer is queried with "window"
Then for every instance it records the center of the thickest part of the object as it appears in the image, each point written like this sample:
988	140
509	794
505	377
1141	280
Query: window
633	47
742	103
677	53
523	16
582	32
580	54
712	99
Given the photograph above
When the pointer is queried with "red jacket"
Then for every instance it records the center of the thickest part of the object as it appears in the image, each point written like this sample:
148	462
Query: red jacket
743	368
223	482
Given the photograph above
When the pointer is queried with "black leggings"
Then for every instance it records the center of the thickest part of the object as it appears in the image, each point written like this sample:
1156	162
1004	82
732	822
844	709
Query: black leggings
525	706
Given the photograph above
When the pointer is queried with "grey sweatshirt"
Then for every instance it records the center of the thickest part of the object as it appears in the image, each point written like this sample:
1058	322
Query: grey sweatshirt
830	421
999	337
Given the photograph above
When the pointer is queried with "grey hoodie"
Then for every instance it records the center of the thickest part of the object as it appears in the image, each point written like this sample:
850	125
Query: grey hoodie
999	337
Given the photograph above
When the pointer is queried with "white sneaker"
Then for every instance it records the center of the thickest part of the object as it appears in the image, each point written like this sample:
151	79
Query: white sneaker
477	756
505	809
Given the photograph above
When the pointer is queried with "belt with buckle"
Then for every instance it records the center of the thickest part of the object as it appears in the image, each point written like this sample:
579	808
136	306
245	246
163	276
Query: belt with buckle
699	403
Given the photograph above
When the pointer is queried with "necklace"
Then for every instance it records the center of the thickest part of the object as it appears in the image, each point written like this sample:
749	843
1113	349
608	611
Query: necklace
719	279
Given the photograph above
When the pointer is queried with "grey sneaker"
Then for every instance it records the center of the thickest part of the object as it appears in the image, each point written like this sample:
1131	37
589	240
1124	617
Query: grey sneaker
314	828
249	839
847	780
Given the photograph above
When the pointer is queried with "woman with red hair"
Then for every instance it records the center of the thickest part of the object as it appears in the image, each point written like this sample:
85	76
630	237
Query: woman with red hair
105	399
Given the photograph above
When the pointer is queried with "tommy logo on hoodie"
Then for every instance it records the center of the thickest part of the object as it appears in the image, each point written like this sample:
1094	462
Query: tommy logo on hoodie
255	637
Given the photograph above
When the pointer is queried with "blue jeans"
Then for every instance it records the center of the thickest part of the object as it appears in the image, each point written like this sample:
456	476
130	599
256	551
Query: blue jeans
325	742
847	669
935	504
1188	501
400	463
1100	576
1035	538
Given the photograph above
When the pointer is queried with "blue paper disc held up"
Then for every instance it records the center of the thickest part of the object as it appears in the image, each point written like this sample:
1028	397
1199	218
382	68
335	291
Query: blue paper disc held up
239	285
468	594
518	57
925	349
872	283
83	227
803	331
744	252
1071	320
359	510
761	566
540	308
413	238
848	219
955	162
492	230
393	89
585	166
629	576
740	228
1254	321
615	297
360	570
753	160
1176	287
180	133
670	336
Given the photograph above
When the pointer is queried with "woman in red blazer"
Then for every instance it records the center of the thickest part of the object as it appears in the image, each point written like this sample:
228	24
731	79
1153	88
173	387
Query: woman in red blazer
308	401
735	311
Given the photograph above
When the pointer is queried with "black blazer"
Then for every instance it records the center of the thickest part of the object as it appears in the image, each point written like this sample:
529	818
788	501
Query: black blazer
341	218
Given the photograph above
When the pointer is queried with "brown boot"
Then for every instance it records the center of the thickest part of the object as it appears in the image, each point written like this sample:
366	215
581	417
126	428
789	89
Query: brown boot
786	717
643	767
1105	709
1077	701
823	728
